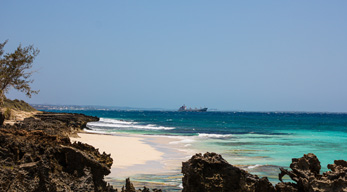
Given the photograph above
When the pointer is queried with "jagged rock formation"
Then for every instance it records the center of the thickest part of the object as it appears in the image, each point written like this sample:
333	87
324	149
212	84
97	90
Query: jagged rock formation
63	124
129	187
210	172
37	155
36	161
305	172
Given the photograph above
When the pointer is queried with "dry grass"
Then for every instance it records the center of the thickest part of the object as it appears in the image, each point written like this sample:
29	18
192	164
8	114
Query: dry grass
15	110
18	105
17	115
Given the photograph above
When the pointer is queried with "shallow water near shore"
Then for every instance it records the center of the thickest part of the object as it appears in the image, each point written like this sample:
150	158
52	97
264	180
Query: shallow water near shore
257	142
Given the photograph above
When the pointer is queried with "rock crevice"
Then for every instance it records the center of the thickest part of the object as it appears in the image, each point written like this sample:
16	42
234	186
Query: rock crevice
210	172
36	161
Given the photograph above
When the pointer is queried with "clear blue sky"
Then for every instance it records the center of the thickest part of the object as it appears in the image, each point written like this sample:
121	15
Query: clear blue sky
229	55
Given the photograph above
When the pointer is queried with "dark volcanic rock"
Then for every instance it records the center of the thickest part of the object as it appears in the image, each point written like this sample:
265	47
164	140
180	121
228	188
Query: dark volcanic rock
36	161
63	124
2	118
286	187
305	172
129	187
210	172
36	155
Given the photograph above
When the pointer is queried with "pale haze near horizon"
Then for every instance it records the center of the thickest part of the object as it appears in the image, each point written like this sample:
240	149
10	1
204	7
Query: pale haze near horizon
227	55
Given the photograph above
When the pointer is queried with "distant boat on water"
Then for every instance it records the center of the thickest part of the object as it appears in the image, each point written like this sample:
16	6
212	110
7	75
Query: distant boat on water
184	108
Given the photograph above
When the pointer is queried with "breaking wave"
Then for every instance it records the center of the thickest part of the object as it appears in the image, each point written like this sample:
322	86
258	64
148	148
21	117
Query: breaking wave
215	135
121	124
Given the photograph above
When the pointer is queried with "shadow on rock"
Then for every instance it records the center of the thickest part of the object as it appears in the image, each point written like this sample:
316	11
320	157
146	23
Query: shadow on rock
36	161
211	173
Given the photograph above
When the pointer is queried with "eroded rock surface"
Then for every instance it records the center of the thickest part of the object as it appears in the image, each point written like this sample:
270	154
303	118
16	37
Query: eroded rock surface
36	155
129	187
36	161
305	174
210	172
63	124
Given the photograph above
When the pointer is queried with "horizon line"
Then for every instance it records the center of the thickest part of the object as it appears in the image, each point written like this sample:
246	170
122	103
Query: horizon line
169	109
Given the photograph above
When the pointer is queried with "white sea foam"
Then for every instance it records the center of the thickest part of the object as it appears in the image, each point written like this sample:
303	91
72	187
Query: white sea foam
115	121
95	131
118	124
253	166
214	135
187	141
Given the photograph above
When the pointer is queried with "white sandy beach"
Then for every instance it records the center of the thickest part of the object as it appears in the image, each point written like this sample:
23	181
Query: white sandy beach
140	156
125	151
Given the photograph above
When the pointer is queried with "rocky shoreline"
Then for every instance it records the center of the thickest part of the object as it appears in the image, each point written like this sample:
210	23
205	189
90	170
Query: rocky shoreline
210	172
62	124
37	155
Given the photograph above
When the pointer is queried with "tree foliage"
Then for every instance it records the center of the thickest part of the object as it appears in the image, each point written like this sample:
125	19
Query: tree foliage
15	70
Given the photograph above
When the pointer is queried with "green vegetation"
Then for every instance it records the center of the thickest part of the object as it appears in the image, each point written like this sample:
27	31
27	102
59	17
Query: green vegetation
15	70
18	105
7	113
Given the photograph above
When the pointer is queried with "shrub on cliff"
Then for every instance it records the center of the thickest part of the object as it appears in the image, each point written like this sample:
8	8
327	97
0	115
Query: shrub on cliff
15	70
18	105
7	113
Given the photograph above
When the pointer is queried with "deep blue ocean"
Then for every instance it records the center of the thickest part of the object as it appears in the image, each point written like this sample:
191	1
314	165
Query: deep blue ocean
261	142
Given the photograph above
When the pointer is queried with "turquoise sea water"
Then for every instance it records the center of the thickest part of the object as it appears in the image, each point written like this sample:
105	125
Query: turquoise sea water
259	142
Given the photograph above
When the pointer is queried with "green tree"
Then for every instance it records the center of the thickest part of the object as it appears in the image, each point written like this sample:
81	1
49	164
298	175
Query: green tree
15	70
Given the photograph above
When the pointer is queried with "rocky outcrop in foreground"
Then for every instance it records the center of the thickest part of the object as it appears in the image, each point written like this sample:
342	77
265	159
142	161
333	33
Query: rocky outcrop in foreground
36	155
305	174
210	172
36	161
